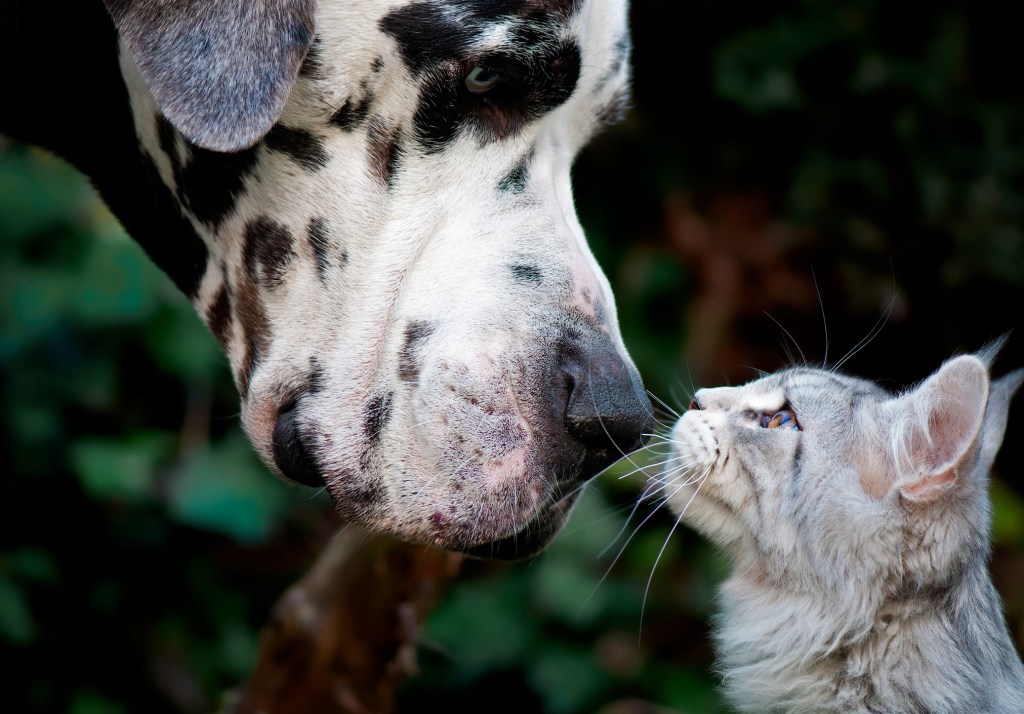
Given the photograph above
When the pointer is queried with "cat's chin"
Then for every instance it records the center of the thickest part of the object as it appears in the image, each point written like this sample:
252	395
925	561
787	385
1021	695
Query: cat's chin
709	517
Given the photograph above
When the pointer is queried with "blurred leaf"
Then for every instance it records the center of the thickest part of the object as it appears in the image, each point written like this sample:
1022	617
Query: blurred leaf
38	191
16	624
34	423
32	565
498	637
568	593
121	468
566	678
182	345
686	690
115	283
1007	515
89	702
756	68
32	301
566	585
225	488
237	650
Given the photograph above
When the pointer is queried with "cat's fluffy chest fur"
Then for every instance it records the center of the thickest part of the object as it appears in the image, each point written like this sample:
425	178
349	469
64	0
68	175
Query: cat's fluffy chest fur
857	523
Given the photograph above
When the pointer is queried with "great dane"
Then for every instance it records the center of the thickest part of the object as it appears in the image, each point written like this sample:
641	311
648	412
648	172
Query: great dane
369	204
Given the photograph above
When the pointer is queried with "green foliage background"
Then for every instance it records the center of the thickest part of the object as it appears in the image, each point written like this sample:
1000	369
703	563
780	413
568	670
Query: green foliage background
791	175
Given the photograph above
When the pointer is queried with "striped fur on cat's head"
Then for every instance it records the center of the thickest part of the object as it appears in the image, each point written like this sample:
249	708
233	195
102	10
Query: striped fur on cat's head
857	522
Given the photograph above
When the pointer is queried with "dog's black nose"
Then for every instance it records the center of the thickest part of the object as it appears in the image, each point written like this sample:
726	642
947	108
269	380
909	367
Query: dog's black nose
291	454
607	410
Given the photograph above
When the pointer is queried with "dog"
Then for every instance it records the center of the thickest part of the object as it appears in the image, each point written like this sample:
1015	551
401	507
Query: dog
369	204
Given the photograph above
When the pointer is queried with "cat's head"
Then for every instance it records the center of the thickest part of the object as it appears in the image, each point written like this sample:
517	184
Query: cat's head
812	479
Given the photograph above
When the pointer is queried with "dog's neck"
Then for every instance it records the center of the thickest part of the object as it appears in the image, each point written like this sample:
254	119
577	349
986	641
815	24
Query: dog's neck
72	101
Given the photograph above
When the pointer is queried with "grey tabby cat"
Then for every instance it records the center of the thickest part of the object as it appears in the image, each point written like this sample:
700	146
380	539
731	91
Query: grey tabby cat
857	524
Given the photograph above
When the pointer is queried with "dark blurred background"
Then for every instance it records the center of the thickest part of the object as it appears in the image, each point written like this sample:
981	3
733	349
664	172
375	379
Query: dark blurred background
796	180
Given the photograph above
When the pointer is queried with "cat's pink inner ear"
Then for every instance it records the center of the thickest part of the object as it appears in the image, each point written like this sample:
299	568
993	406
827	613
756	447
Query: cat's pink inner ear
936	427
928	487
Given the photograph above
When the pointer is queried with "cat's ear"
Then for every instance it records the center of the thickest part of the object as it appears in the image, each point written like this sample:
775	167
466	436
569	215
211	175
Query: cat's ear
934	429
990	351
996	414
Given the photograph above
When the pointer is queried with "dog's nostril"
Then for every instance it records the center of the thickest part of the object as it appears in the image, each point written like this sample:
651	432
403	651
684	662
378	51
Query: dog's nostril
607	410
290	451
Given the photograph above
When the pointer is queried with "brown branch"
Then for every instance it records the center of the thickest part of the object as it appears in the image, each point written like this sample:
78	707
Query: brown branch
343	637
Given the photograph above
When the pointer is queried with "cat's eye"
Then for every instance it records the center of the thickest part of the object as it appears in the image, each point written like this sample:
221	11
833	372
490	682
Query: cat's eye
784	419
481	79
694	404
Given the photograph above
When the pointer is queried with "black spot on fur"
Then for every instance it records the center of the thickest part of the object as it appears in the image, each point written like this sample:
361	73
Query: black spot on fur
168	138
798	461
615	110
376	415
351	114
315	378
320	242
409	357
437	46
306	149
623	47
252	318
268	245
218	315
174	244
357	495
384	150
378	64
527	273
211	182
312	66
515	180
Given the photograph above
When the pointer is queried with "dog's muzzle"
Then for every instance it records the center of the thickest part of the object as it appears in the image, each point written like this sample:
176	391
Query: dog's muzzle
490	464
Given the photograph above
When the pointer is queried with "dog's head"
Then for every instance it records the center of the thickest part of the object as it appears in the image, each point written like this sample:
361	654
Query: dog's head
396	269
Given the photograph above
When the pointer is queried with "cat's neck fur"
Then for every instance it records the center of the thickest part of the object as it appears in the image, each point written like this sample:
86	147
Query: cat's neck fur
915	653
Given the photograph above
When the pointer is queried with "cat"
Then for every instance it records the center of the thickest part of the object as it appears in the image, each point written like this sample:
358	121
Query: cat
857	527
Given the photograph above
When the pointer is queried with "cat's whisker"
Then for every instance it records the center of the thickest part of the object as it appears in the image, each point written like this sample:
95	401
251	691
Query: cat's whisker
673	412
803	358
653	487
673	481
875	330
658	437
670	476
636	505
689	376
672	530
622	550
667	459
824	321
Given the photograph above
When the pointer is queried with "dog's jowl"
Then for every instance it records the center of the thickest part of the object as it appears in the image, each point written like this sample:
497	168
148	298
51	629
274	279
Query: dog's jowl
369	203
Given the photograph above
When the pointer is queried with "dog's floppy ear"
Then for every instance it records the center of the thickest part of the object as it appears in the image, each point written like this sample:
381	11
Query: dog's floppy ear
220	70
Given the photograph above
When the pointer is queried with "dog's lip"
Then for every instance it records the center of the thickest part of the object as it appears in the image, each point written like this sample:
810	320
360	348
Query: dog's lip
533	537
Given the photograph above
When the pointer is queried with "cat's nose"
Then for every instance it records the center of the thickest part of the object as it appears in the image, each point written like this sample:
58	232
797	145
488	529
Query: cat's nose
694	404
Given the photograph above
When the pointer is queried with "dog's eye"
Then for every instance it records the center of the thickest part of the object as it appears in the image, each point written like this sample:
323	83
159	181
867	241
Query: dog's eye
784	419
482	79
